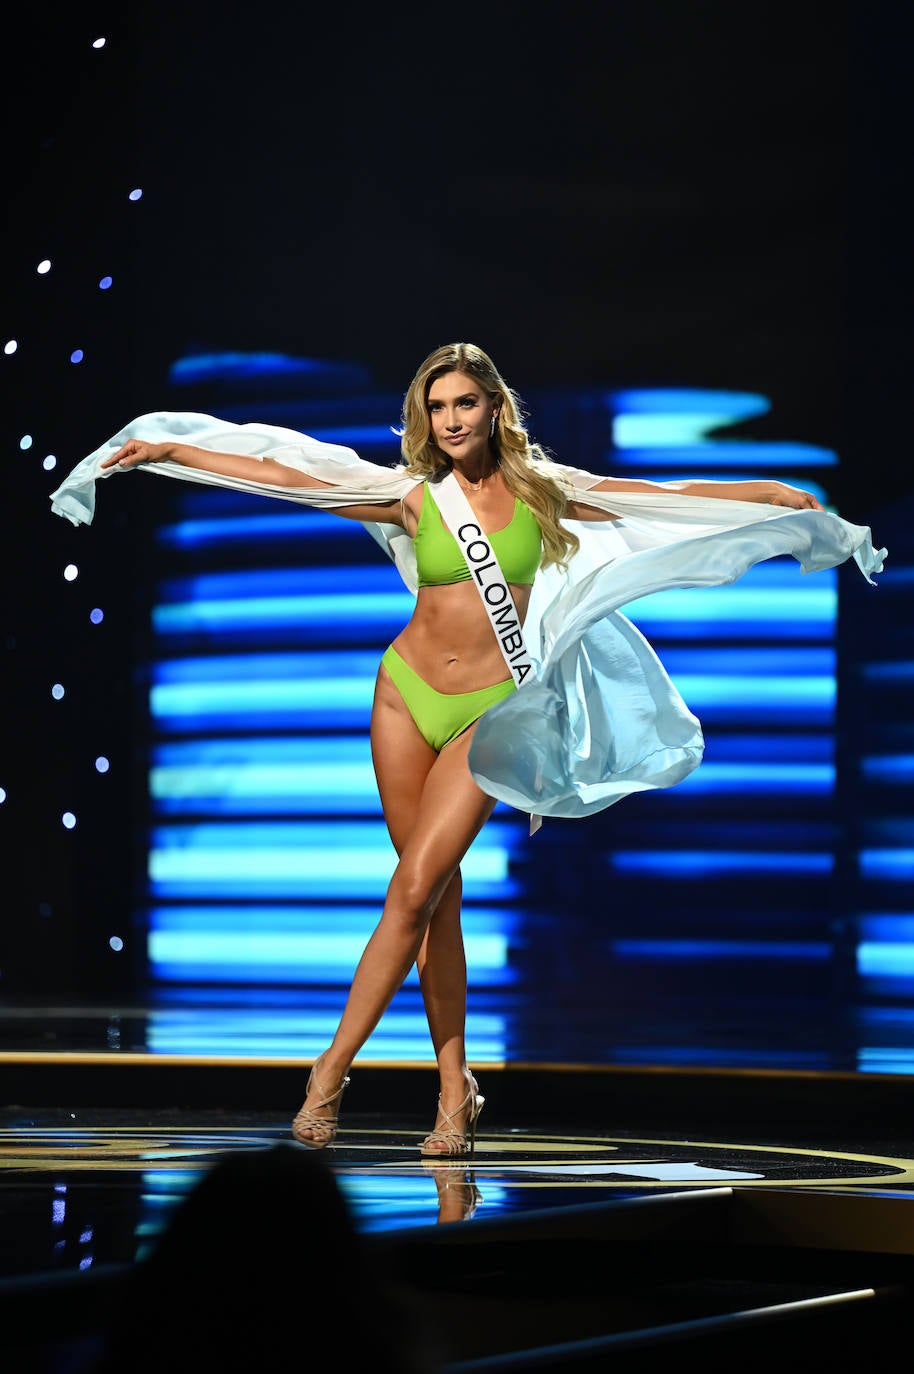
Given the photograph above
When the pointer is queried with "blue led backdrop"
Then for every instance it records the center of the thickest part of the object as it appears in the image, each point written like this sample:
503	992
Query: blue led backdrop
677	241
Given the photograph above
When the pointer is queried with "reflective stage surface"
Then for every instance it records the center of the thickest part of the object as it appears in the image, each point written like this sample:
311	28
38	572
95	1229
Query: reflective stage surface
610	1209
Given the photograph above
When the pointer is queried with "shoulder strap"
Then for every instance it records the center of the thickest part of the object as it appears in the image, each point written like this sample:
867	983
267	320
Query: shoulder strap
490	582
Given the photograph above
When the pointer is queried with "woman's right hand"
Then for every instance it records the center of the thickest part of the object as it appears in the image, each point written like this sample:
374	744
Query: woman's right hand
134	452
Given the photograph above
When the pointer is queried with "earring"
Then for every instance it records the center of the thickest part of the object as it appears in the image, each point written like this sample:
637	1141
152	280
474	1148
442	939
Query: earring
492	425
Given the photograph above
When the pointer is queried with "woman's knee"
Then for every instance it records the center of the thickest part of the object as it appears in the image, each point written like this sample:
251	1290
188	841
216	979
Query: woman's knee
416	894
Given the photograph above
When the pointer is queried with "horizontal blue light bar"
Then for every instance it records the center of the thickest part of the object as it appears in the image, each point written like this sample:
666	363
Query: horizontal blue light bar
710	864
338	701
323	690
790	613
801	746
400	1036
890	926
248	789
655	445
894	1059
229	668
320	842
375	599
304	775
813	663
359	437
270	955
686	950
759	779
347	787
652	425
735	694
306	861
362	611
307	1020
233	365
887	1020
887	865
192	1000
901	672
778	579
725	406
341	683
895	769
886	959
270	527
248	918
260	751
271	582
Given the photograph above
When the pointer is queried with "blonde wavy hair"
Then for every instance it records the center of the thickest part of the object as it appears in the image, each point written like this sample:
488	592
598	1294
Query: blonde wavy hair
524	465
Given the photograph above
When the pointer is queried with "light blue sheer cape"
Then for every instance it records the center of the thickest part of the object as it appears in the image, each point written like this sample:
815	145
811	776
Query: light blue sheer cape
603	718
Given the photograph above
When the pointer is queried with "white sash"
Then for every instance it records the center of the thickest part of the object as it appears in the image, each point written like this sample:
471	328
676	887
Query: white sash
490	582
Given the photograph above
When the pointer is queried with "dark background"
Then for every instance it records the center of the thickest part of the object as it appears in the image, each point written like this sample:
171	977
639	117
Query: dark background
697	194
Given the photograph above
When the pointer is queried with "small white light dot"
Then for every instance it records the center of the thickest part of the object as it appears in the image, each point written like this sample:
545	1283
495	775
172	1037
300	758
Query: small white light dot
25	442
98	42
102	764
2	795
116	943
96	615
49	462
57	691
105	283
71	572
68	819
77	355
43	267
10	346
135	195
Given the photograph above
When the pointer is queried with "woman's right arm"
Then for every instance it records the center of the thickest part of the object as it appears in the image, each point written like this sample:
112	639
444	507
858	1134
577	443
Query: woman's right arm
265	470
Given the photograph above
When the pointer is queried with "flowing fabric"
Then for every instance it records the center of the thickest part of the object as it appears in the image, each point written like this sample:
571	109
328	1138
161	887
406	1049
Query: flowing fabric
603	719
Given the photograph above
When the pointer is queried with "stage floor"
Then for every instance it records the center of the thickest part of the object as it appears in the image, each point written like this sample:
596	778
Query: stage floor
724	1189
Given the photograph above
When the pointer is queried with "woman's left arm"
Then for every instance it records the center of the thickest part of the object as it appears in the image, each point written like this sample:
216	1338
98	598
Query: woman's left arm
766	493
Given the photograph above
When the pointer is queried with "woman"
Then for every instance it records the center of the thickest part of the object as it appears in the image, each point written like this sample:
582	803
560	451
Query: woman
451	733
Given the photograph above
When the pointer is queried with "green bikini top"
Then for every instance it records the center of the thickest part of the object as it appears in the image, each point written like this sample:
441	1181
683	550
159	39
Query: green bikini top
518	547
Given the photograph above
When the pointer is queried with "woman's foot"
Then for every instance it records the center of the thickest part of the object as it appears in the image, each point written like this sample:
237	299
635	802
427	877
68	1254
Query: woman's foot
455	1130
316	1123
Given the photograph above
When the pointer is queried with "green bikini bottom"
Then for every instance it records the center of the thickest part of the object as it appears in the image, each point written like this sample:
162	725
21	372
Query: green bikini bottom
441	716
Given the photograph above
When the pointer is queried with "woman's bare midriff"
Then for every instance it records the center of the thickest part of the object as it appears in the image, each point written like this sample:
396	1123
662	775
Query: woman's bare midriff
449	640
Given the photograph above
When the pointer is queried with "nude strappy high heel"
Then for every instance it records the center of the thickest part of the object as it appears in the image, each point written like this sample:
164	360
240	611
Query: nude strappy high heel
448	1139
322	1128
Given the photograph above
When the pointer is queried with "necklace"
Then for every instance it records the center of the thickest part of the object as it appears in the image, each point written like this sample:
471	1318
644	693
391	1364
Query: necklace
474	486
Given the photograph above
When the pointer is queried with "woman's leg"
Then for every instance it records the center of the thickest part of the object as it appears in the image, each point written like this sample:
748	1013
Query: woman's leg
441	960
433	810
442	969
443	979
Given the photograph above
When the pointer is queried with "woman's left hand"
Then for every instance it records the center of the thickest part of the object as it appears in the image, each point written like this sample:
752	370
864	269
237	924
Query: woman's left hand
782	494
